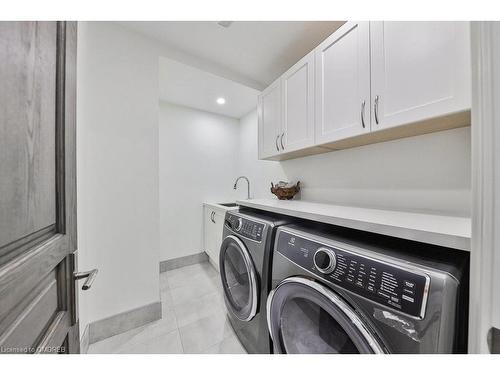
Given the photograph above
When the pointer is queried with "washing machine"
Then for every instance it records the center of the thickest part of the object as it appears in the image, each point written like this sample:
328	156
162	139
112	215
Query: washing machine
245	263
341	291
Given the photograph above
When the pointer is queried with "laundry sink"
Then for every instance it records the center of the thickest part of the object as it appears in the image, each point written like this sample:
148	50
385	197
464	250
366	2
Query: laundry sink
228	204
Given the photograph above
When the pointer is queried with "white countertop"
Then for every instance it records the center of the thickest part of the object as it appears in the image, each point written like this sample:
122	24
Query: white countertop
448	231
220	206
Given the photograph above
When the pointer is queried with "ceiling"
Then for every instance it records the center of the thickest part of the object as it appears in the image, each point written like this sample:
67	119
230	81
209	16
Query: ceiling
249	52
188	86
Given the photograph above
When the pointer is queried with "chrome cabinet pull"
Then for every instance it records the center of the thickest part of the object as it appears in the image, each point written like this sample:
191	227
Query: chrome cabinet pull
89	275
363	113
276	143
281	141
375	108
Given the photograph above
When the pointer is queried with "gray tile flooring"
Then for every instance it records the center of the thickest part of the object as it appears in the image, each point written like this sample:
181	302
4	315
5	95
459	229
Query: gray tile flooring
194	318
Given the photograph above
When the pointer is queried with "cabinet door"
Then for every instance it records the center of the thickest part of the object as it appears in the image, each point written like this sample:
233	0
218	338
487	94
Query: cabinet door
297	87
419	70
343	83
208	231
269	106
218	227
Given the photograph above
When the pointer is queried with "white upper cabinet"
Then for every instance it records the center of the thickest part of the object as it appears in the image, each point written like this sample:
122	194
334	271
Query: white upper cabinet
270	127
369	77
343	83
419	70
297	86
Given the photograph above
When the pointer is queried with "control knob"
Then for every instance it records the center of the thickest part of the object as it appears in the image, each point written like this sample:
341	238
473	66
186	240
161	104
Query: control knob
239	224
325	260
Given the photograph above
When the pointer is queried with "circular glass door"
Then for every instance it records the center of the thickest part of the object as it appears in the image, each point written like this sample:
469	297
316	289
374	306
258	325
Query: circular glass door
239	278
305	317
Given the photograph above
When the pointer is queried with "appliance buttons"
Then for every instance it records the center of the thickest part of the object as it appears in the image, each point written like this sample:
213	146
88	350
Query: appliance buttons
409	292
409	299
409	284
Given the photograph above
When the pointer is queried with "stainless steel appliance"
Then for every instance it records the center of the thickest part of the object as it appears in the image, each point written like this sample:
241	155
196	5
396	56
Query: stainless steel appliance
245	261
341	291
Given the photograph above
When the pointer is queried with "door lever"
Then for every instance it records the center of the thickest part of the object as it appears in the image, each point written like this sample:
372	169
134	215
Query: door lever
89	275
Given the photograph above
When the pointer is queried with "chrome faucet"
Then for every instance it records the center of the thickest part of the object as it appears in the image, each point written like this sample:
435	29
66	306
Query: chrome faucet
248	185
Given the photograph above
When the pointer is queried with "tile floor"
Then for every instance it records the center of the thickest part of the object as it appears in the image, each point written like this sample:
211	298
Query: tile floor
194	318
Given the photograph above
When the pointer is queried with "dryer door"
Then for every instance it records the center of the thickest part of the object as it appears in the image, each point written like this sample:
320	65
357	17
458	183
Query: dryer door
306	317
239	278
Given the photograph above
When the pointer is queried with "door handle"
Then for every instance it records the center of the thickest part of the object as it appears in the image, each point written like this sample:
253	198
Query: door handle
375	109
212	217
363	113
276	143
281	141
89	275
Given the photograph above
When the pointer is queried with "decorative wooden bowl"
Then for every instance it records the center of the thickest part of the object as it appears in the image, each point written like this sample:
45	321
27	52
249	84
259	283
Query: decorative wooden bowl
284	191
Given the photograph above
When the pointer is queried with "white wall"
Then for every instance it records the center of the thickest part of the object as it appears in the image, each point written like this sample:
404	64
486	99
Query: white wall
428	173
117	160
198	163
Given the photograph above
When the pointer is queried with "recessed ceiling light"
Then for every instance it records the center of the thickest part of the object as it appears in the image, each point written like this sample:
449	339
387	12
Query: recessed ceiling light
221	101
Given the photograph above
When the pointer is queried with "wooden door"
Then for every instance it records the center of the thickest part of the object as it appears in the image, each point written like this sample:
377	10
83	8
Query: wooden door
269	112
298	104
37	187
343	83
419	70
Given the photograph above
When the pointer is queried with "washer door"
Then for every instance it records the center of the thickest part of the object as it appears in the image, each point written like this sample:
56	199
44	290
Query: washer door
239	278
305	317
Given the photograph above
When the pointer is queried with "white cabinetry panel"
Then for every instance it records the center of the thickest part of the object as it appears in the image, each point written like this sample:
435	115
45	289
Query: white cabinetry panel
298	105
213	226
270	120
343	83
372	82
419	70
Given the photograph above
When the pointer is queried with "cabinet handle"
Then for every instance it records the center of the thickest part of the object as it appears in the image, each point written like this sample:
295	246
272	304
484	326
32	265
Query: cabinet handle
375	108
363	113
276	142
281	141
212	217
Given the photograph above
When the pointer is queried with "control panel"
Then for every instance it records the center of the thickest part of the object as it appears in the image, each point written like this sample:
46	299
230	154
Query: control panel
244	227
388	284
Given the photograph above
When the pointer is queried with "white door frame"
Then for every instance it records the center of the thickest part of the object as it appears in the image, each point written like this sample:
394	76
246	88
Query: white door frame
485	252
